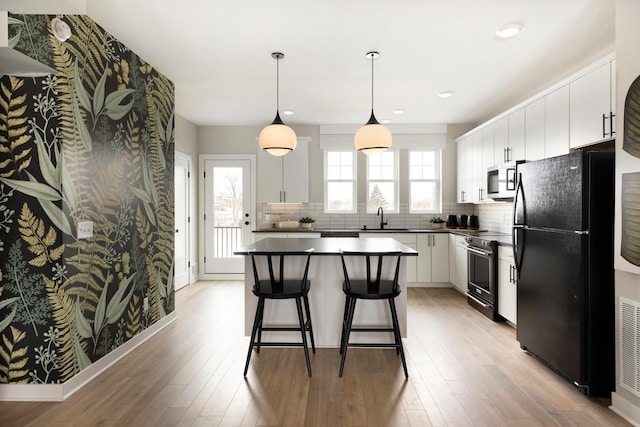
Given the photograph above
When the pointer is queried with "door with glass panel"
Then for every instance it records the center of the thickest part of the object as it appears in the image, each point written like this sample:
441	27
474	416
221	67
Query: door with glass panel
228	221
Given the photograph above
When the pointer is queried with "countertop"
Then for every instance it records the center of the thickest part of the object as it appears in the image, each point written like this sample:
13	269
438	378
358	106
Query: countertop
320	246
503	239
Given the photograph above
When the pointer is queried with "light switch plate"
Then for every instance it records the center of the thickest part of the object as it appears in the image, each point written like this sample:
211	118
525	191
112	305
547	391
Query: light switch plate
85	229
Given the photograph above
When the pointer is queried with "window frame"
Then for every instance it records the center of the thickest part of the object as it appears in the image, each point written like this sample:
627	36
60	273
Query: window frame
437	180
353	180
395	181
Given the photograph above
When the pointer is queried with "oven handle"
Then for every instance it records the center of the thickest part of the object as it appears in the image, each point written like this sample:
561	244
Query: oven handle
479	252
483	304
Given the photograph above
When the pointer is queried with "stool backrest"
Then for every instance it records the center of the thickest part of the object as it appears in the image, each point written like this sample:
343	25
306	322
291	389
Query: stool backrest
372	279
277	277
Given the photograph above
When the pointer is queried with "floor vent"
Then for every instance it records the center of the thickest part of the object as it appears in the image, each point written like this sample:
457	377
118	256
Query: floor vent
629	342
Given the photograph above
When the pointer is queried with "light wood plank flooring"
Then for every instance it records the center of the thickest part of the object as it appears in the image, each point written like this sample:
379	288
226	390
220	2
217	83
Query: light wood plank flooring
464	370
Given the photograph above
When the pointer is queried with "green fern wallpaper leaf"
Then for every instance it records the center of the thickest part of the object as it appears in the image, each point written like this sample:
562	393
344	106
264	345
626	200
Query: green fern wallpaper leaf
94	142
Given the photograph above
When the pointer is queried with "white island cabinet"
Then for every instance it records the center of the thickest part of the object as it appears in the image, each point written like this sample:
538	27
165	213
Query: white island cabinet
284	179
326	298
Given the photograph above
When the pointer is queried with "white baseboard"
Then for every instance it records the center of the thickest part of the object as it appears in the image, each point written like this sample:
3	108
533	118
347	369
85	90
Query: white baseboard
625	409
59	392
211	276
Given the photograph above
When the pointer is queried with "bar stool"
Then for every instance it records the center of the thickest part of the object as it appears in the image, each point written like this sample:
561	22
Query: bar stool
373	287
279	288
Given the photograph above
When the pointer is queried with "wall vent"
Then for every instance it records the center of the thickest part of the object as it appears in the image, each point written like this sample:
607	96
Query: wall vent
629	345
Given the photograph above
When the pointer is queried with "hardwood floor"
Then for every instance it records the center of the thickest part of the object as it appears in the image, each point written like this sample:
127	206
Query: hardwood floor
463	368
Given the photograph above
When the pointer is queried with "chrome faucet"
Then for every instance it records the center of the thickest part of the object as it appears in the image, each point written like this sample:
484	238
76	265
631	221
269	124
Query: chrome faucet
381	215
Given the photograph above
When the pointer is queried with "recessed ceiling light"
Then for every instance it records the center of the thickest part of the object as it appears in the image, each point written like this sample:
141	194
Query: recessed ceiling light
446	94
385	121
509	30
287	112
398	111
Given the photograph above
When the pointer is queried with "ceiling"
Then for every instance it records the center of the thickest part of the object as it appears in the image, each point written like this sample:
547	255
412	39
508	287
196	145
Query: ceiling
218	54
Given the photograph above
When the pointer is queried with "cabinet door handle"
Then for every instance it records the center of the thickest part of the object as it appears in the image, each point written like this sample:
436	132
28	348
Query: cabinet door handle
612	132
604	120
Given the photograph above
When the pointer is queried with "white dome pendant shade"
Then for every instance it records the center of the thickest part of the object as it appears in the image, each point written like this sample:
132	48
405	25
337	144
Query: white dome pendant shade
372	138
277	139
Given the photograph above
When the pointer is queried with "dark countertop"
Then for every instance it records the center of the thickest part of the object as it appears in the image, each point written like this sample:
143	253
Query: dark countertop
503	239
300	246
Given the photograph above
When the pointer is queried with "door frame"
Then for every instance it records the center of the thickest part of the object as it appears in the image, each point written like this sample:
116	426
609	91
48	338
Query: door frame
190	229
202	158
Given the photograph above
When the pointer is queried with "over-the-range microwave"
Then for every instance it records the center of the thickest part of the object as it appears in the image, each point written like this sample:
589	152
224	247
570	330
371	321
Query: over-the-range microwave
502	180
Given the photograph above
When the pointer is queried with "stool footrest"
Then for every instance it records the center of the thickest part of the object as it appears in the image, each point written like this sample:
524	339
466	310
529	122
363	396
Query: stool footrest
283	328
372	330
277	344
372	345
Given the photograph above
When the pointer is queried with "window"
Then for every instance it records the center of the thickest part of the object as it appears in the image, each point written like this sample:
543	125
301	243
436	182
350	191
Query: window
424	182
382	182
340	181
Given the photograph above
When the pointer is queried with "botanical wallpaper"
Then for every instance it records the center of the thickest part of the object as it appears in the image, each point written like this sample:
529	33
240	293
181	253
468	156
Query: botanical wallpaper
94	142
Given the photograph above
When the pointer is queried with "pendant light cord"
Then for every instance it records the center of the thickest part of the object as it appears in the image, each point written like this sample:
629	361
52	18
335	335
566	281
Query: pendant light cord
372	57
278	83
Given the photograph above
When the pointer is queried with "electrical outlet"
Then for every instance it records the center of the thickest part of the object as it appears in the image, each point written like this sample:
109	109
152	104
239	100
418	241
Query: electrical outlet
145	304
85	229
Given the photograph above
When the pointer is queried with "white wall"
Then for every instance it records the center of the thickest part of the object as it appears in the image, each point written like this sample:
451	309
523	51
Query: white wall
186	142
627	69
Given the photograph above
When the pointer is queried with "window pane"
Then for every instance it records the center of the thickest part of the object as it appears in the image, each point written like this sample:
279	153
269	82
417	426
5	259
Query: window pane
340	196
333	158
423	196
381	194
346	158
345	172
415	172
387	172
333	172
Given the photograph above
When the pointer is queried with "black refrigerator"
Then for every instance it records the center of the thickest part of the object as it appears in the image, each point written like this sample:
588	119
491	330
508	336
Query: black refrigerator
563	249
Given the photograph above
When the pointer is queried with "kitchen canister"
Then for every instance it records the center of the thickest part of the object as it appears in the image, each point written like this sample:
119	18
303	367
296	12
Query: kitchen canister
464	219
452	221
474	222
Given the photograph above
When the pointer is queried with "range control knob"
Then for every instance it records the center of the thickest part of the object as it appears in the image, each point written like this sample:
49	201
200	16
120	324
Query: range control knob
467	239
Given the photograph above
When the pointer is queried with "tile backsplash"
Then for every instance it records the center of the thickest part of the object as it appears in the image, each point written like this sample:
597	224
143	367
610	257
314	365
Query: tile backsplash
403	219
493	216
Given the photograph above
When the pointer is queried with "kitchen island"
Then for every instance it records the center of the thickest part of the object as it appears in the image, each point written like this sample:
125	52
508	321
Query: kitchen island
326	298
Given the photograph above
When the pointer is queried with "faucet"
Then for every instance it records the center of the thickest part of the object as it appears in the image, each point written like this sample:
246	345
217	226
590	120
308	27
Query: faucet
381	215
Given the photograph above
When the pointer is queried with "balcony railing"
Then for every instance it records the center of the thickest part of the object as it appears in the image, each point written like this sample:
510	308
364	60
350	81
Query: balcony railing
226	240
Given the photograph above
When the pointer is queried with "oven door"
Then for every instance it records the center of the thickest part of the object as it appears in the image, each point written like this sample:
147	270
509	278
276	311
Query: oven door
480	270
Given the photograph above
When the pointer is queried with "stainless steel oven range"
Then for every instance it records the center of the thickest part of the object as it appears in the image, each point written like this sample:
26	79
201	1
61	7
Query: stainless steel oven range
482	283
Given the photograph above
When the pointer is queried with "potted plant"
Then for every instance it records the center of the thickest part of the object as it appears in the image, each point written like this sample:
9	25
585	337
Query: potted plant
436	222
306	222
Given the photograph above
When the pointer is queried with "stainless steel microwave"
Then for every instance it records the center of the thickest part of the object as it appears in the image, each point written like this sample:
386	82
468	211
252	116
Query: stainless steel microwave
502	181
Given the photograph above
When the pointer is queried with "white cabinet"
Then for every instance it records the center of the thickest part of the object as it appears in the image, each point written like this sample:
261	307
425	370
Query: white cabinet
477	173
507	284
556	123
515	151
501	140
464	175
591	107
408	239
286	178
460	279
535	130
433	261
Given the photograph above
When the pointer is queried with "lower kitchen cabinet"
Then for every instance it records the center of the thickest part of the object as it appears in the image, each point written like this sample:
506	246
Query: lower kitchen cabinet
460	276
433	258
507	284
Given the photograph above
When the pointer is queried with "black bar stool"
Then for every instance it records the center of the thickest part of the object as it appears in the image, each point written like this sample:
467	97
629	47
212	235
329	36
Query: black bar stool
279	288
374	287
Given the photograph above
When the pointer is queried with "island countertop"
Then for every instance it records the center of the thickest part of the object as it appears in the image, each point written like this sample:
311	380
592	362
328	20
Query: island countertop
326	246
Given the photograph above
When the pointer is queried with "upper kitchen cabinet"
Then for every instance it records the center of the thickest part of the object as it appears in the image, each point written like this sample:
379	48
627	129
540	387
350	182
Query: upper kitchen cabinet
515	150
535	130
556	123
591	107
509	137
464	154
284	179
477	173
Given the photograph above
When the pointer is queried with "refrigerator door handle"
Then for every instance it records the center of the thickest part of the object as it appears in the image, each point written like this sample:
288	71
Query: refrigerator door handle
516	225
581	231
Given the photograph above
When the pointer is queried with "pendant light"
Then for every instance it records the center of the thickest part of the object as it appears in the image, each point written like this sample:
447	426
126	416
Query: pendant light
372	138
277	139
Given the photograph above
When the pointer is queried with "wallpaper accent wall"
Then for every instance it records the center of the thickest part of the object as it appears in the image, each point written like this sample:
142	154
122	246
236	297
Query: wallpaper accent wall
94	142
